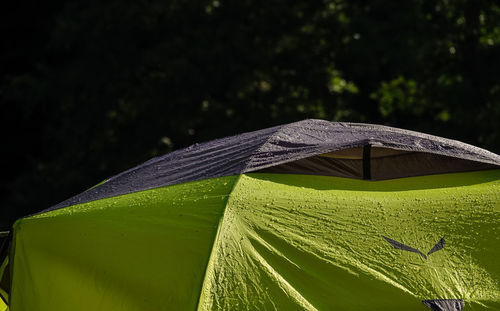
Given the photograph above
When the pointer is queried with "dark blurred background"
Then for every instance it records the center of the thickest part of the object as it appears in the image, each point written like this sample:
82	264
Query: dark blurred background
90	88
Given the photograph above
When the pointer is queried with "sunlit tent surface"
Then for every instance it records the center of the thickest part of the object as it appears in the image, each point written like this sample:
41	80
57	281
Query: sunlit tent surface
312	215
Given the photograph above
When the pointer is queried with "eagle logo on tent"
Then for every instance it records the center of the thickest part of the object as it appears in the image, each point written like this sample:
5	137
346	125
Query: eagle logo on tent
434	304
398	245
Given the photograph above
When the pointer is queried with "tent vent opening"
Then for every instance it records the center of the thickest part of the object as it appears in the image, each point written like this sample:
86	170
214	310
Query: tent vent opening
377	163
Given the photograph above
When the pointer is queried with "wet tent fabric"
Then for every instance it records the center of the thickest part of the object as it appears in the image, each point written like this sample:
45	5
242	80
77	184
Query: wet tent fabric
142	251
259	150
265	242
232	235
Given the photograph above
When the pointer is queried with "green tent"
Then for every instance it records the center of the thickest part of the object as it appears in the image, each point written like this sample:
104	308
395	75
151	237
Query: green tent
311	215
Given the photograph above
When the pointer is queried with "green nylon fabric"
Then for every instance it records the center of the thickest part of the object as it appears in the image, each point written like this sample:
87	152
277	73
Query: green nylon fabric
267	242
3	292
142	251
293	242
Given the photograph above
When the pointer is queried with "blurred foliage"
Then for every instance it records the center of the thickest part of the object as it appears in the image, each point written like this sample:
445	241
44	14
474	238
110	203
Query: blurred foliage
90	88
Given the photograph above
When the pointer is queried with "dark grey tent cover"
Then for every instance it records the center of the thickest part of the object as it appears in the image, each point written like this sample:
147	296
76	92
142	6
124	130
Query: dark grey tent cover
318	147
445	304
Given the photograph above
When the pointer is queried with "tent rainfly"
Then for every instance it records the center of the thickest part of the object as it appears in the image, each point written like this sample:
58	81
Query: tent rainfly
311	215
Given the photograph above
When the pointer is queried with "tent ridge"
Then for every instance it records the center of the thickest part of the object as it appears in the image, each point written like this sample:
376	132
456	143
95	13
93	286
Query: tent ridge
250	158
265	148
214	245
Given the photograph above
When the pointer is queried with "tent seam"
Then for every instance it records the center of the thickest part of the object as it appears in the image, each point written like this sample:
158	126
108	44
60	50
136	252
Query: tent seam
250	158
12	254
215	241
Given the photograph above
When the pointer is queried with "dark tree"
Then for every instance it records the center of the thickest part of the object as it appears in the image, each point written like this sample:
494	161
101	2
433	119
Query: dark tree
90	88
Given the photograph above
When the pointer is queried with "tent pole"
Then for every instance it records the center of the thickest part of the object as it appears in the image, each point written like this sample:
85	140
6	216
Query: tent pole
367	174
